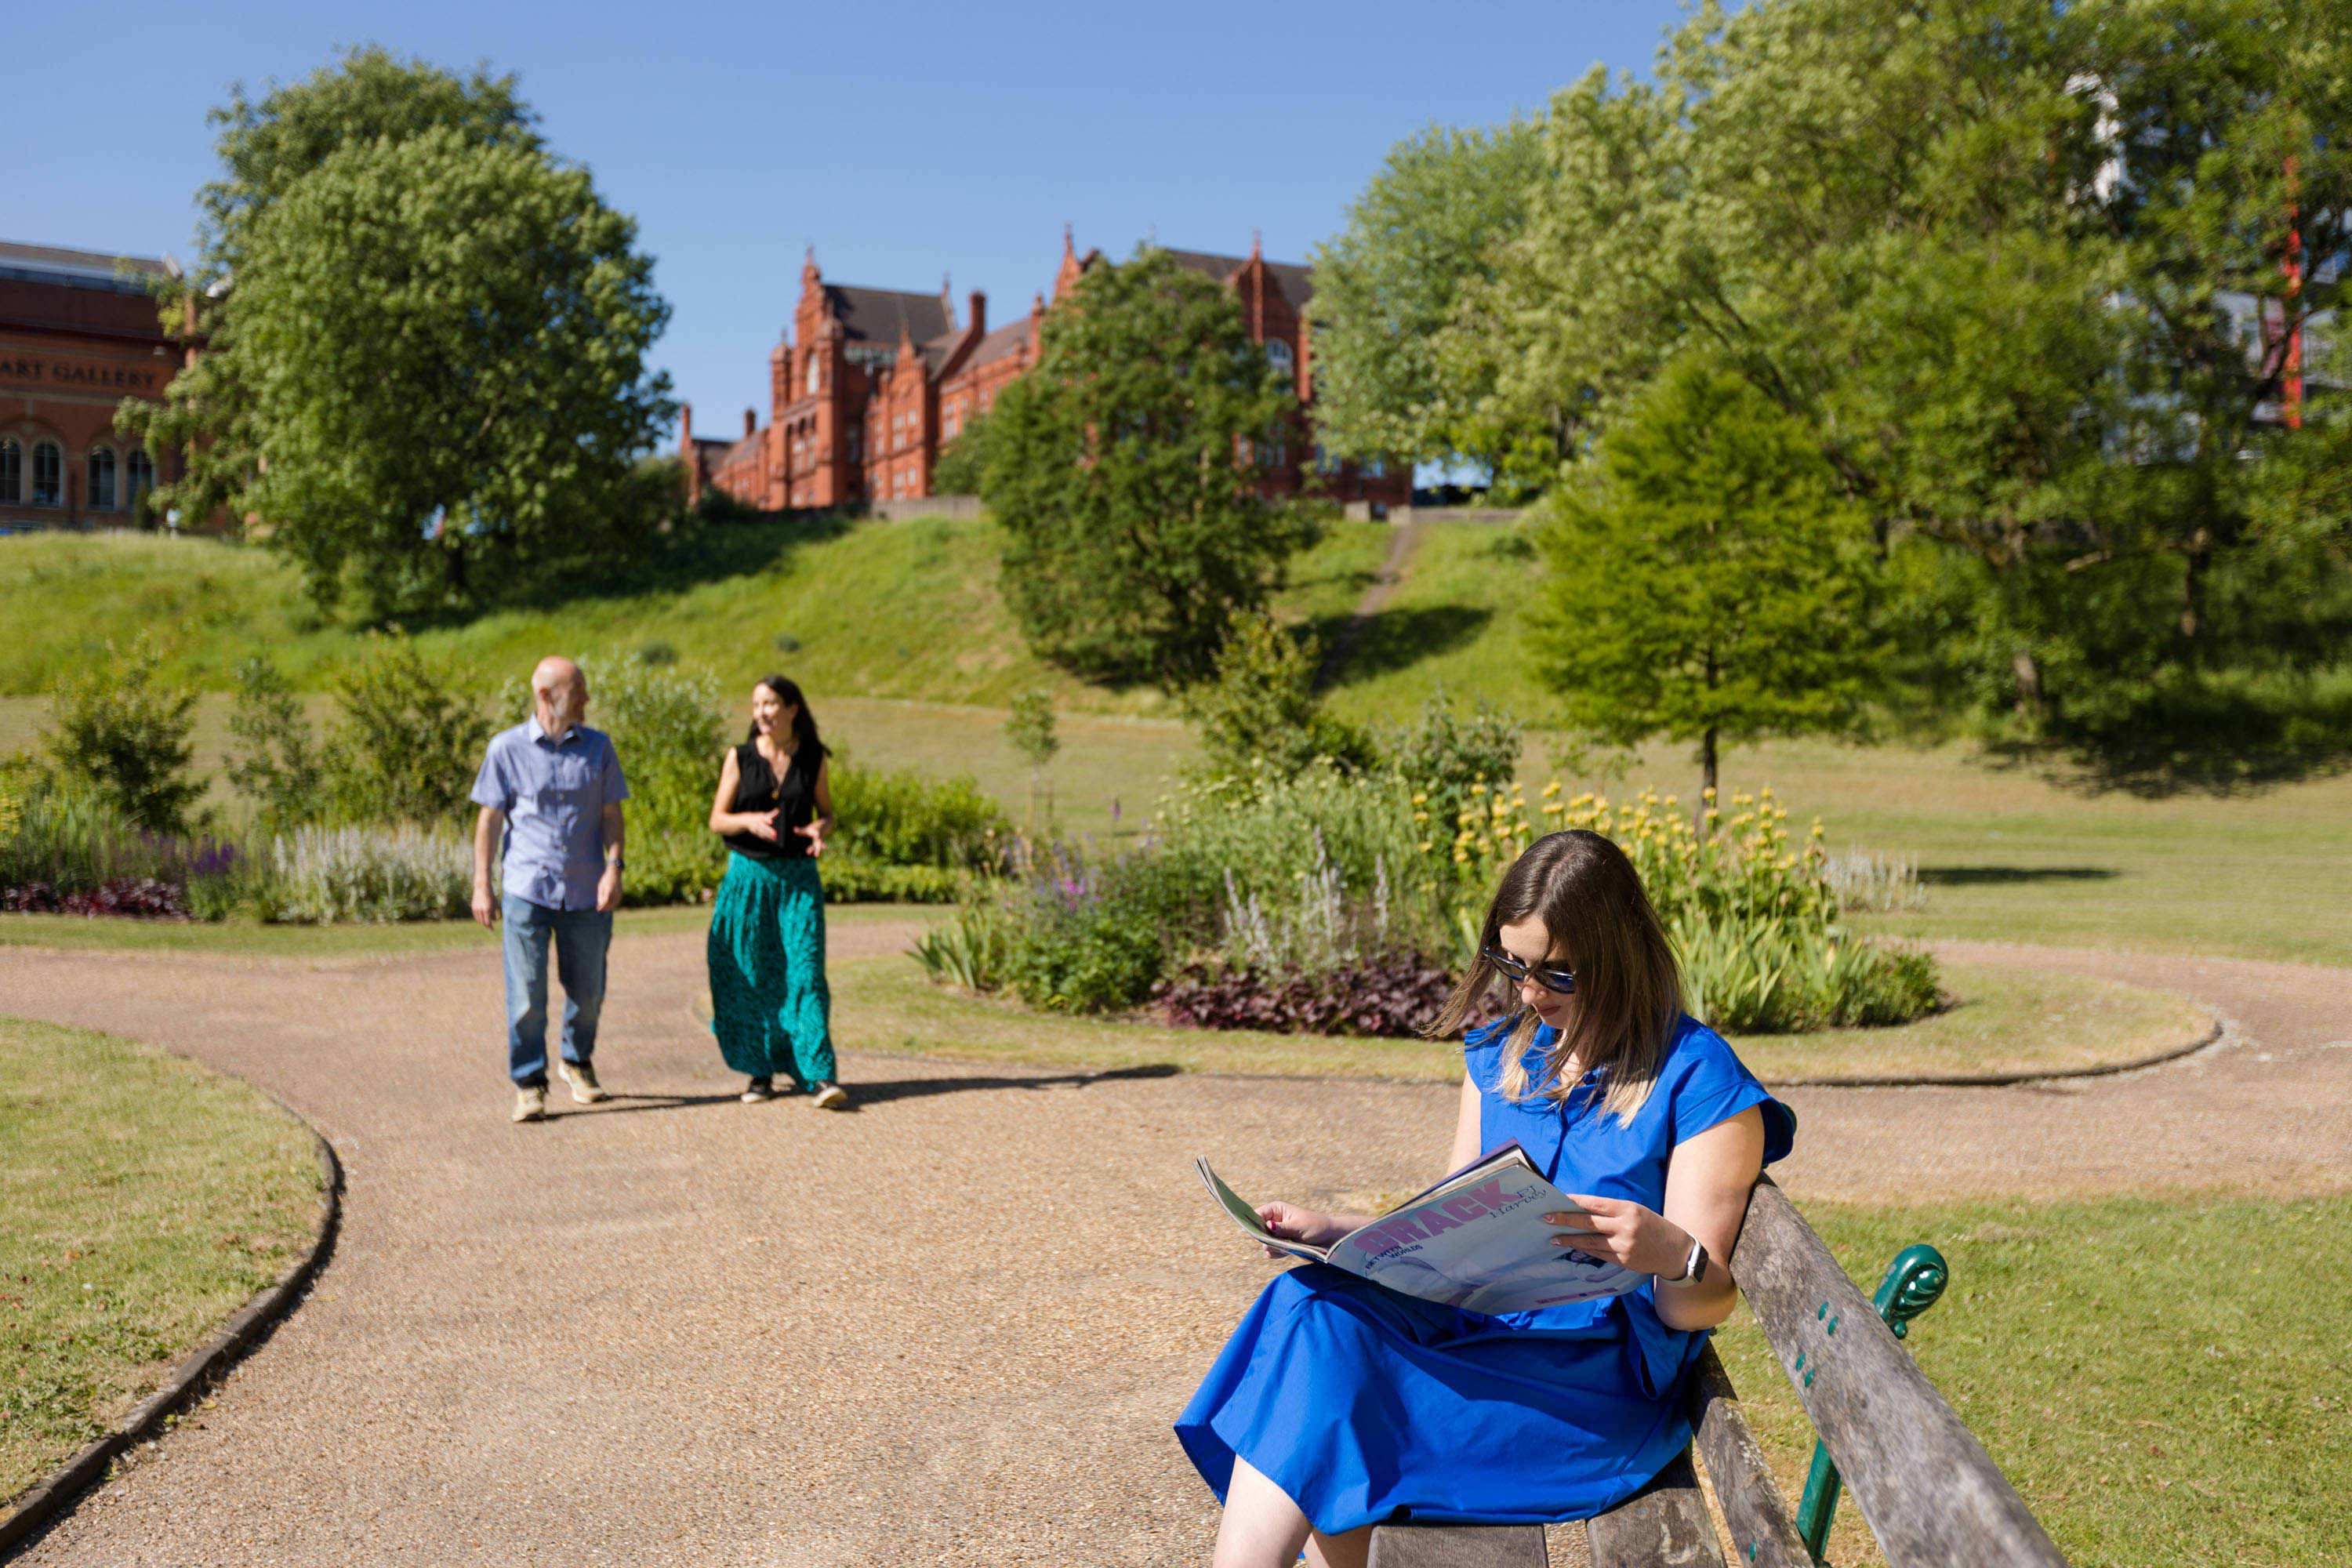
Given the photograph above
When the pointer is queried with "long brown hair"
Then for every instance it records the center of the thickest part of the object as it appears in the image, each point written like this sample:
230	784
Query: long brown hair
1629	991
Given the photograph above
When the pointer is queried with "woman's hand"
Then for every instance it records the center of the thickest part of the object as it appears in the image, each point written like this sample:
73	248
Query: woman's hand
1292	1223
761	823
1627	1233
813	833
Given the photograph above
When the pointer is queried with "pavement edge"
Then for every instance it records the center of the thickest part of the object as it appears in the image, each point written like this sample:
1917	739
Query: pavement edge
45	1501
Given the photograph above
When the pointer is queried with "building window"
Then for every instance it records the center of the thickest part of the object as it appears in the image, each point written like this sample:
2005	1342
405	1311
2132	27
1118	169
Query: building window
101	478
856	442
1325	463
1278	352
49	474
813	374
1378	468
139	476
12	470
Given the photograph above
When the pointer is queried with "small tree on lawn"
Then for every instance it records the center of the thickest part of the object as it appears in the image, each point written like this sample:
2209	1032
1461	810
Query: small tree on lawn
1123	473
118	728
1261	714
1030	728
1707	582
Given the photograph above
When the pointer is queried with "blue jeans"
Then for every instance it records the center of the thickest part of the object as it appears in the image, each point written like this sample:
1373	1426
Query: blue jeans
581	938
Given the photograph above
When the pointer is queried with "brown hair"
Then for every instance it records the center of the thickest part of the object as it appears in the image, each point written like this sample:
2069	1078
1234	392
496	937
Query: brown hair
1628	990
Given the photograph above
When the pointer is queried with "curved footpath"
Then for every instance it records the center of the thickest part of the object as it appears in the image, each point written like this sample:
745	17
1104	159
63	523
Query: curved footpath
950	1327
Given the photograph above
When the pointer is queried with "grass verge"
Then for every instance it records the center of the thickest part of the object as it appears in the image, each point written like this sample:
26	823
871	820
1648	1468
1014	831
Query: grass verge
2004	1021
2163	1382
248	939
147	1199
2008	1021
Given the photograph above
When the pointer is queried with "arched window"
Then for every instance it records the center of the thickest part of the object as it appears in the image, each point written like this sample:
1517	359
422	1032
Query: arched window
101	464
813	374
12	470
49	474
1278	351
139	476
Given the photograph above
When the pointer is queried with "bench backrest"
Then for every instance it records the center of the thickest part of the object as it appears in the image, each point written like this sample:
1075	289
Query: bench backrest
1931	1494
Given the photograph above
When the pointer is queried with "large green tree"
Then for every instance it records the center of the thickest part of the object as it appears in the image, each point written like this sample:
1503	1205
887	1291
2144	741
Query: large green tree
1707	582
1433	218
424	337
1124	471
2011	262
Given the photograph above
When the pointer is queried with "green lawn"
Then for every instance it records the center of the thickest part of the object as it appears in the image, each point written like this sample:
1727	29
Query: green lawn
2007	1021
2163	1382
146	1200
906	610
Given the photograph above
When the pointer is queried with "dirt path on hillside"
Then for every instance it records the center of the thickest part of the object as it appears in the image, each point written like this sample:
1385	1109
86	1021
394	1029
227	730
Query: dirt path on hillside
1402	539
950	1327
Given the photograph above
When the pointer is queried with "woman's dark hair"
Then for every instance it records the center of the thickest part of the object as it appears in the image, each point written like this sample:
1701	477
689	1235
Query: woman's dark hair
804	724
1629	991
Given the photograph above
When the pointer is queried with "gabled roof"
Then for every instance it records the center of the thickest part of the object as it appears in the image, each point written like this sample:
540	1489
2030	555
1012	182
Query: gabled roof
1003	341
1296	282
78	269
875	315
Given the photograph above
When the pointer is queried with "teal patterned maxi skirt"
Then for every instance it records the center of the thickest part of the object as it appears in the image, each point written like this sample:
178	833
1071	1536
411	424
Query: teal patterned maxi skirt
769	1004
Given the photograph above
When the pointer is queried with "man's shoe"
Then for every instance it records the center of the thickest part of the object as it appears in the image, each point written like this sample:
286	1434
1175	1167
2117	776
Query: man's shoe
530	1103
585	1090
829	1097
758	1090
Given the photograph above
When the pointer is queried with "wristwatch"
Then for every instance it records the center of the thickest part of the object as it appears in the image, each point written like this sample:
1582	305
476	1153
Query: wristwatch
1694	1267
614	861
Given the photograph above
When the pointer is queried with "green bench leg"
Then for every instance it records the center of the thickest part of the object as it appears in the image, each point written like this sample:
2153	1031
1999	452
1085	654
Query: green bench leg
1914	1281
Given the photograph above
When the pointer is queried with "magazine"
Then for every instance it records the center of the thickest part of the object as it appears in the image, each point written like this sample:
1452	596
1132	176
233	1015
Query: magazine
1476	1240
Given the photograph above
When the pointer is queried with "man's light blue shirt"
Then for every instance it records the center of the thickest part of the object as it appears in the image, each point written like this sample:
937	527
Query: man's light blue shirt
554	794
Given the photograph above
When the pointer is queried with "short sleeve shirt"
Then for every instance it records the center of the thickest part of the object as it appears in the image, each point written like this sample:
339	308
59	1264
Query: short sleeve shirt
553	795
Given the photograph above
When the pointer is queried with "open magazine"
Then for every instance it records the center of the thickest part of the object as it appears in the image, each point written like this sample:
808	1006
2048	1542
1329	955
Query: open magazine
1476	1240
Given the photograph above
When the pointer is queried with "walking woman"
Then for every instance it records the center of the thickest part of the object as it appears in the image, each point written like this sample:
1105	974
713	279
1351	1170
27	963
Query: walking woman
769	1004
1338	1403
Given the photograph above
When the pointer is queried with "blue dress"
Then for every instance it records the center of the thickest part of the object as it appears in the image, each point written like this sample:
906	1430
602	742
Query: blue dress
1366	1406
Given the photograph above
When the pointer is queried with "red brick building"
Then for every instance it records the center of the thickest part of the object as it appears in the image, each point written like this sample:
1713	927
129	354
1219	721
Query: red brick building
76	339
871	384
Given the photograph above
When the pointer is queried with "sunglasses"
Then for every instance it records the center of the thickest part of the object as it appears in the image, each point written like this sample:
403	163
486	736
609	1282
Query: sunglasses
1561	980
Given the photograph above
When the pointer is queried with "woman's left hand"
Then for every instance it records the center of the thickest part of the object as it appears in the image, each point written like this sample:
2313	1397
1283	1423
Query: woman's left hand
1627	1233
815	833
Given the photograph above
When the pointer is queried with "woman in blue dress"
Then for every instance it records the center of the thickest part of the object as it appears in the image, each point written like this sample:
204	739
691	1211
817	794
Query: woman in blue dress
1338	1404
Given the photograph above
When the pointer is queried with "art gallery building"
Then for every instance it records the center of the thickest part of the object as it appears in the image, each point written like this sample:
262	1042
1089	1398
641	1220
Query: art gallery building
78	334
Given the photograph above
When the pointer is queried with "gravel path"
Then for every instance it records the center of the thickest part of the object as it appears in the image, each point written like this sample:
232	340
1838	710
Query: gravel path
939	1328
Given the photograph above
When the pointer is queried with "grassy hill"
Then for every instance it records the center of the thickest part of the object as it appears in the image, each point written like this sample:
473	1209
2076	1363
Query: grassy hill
907	610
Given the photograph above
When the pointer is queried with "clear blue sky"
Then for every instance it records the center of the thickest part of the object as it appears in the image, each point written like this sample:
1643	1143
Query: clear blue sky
903	140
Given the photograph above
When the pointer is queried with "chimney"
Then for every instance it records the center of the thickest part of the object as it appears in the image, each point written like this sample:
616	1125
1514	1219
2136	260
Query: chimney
686	453
751	422
979	313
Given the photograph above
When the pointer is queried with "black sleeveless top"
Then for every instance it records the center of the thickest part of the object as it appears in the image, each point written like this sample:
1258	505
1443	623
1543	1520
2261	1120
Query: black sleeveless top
757	788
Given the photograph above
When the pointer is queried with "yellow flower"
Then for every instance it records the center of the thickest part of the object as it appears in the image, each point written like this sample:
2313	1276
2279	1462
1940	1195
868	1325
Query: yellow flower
1424	846
1552	789
1422	799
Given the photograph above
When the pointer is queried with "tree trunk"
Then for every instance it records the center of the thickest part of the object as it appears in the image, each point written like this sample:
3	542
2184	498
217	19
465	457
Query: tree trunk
1707	766
2028	684
2193	584
453	569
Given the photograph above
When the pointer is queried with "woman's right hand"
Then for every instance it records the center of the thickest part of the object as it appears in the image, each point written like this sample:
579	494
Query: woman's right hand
1292	1223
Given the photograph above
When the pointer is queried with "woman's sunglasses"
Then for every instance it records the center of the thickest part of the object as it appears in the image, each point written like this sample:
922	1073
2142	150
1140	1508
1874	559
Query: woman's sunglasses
1561	980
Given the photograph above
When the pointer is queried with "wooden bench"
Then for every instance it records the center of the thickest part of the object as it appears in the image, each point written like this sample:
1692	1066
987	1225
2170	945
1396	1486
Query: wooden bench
1924	1485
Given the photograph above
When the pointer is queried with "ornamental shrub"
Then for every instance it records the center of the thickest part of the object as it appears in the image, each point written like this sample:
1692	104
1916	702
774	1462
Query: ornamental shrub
118	729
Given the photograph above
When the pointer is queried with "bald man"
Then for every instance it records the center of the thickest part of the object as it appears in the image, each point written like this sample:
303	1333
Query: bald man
552	787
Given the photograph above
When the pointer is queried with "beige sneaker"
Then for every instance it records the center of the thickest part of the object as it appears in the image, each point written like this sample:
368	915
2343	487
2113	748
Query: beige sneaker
829	1097
585	1090
757	1091
530	1104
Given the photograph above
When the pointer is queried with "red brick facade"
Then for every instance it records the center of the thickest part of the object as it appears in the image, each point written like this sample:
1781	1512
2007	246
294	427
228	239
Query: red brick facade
75	341
872	384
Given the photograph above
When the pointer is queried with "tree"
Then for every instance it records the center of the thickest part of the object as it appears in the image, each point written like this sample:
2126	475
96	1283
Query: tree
1030	728
1709	583
411	738
2018	295
278	765
1260	716
424	337
1430	220
965	460
118	729
1122	471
